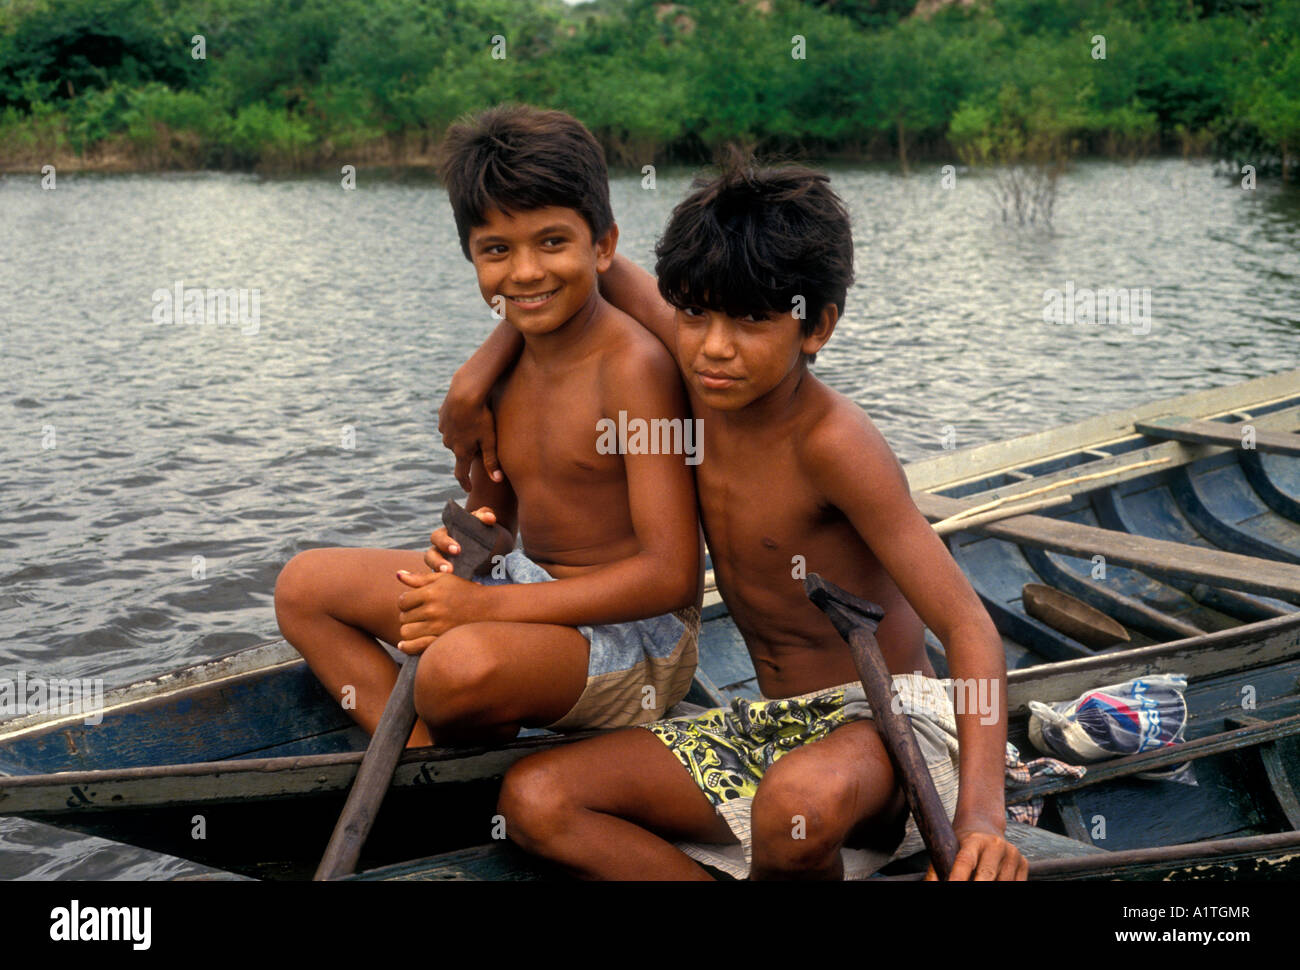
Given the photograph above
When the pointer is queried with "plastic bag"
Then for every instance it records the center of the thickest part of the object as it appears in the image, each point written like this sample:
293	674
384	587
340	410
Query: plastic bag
1138	715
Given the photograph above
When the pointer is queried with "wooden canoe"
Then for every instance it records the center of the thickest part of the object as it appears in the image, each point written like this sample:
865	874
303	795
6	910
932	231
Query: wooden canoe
1200	559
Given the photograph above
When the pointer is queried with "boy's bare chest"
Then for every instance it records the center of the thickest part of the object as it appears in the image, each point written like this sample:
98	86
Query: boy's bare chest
758	508
768	527
551	428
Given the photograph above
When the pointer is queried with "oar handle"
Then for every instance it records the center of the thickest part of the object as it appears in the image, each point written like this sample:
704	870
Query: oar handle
855	619
476	542
900	741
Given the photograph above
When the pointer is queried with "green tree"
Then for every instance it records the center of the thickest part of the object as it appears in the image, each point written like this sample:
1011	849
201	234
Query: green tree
911	86
1268	84
59	51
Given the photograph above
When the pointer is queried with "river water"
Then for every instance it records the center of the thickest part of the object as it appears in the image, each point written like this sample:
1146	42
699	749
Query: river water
155	475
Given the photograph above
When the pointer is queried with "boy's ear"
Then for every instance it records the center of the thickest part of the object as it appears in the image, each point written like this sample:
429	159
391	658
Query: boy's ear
822	331
605	247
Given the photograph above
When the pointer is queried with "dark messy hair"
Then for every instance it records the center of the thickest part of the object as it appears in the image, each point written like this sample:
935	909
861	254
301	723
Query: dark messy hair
515	158
753	238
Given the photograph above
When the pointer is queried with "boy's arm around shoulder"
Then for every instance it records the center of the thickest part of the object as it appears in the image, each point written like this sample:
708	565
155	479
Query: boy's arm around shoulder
465	420
634	291
855	469
641	380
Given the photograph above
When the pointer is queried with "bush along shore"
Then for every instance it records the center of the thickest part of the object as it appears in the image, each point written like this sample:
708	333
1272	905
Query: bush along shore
300	85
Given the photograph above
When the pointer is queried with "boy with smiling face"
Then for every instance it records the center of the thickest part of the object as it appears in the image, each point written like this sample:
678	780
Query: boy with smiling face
793	474
592	622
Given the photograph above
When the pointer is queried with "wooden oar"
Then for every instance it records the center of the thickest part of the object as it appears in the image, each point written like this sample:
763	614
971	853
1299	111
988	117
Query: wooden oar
856	620
1072	616
476	542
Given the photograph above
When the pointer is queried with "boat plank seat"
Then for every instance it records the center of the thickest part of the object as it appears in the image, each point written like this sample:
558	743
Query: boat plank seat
1200	432
1150	555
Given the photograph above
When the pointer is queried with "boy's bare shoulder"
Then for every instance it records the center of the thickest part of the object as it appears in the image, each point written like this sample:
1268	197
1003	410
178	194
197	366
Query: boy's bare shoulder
840	443
632	353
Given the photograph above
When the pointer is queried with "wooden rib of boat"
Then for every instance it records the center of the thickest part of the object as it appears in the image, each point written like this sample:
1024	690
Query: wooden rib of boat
1196	556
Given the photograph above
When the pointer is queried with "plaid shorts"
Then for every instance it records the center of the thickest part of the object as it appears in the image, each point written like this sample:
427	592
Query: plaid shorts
635	671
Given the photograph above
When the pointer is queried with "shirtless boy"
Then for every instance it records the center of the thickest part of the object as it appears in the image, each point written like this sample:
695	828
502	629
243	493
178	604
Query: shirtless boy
616	533
793	474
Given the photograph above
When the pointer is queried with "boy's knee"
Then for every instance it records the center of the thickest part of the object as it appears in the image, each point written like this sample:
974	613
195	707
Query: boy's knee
535	804
799	824
297	586
455	678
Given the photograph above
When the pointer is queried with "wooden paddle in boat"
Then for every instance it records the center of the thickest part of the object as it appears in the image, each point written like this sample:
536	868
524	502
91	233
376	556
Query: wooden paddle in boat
856	620
1072	616
476	541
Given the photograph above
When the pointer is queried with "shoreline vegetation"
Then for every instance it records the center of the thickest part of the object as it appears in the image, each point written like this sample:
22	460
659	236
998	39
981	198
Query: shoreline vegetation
289	86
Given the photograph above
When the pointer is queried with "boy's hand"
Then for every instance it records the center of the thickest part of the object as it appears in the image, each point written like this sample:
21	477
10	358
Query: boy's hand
464	419
984	855
442	546
468	428
435	603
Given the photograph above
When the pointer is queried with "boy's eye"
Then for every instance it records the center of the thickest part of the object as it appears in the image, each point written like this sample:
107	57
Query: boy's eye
754	317
556	240
692	311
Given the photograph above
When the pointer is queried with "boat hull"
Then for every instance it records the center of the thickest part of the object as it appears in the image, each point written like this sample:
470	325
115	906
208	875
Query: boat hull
1200	563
